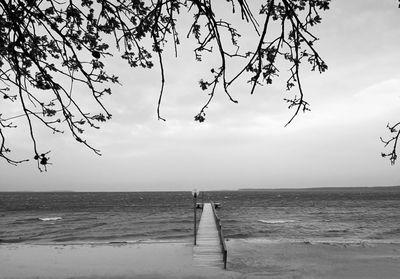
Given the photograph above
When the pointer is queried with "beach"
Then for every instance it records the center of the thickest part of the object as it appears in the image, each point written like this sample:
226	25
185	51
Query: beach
263	259
247	259
142	261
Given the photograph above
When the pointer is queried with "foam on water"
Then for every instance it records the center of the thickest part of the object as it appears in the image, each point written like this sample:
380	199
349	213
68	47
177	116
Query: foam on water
45	219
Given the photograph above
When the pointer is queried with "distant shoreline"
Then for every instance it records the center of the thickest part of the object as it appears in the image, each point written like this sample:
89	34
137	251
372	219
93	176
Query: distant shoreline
340	188
348	189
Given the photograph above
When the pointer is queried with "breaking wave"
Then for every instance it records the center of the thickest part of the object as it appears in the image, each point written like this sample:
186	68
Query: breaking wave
45	219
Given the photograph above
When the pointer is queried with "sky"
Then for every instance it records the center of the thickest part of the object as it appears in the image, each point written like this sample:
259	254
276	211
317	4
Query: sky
243	145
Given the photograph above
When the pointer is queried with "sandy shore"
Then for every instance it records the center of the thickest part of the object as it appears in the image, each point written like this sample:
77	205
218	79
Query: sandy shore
258	259
142	261
247	259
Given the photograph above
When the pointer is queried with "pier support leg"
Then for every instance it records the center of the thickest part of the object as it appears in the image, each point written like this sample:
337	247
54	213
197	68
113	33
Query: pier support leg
195	194
195	217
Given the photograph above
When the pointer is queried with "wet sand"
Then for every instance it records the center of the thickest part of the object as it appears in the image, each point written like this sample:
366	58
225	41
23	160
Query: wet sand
246	260
258	259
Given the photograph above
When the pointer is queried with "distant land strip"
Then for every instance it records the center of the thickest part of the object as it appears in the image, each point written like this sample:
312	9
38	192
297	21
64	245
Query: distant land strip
344	189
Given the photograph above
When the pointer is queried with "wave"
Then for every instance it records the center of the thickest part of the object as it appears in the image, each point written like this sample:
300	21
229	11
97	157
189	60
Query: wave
118	239
386	234
352	242
236	235
322	241
12	240
277	221
36	219
45	219
337	231
25	220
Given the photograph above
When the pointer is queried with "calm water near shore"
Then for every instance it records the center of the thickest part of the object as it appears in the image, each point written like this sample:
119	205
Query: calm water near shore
327	216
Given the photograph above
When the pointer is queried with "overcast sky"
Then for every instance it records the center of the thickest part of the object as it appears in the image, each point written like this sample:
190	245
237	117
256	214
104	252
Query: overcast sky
245	144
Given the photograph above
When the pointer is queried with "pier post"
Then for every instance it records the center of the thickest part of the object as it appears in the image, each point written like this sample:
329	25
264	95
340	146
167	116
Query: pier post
195	193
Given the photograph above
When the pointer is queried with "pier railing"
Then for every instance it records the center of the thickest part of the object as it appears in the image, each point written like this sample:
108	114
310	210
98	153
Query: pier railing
221	235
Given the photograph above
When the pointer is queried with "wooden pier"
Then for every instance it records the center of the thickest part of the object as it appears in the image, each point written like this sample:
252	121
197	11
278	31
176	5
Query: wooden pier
210	250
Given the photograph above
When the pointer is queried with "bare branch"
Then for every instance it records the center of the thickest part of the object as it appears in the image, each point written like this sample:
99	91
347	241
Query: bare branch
392	142
47	48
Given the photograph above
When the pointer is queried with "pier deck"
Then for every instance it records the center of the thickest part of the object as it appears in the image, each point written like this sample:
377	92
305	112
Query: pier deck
208	252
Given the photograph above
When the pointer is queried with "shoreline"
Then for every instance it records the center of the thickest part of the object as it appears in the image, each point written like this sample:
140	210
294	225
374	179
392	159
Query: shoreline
335	241
247	259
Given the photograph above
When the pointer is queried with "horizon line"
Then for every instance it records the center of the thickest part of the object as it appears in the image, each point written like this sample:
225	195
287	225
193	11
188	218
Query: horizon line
214	190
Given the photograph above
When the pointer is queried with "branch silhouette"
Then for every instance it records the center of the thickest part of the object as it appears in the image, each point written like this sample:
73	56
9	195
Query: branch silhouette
47	48
392	142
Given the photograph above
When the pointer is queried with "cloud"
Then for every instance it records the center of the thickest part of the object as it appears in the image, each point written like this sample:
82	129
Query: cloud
374	103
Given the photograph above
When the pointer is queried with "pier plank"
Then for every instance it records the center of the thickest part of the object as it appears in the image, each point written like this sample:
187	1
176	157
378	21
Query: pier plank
207	252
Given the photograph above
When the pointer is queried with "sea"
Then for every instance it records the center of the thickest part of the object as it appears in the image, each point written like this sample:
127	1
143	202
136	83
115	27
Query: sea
327	215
